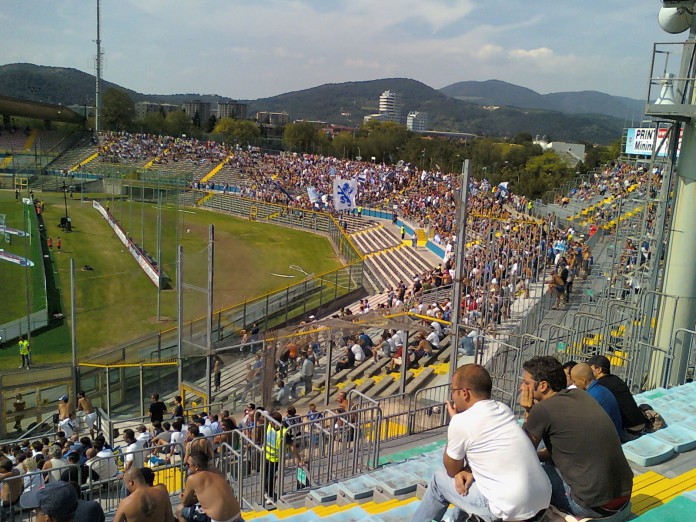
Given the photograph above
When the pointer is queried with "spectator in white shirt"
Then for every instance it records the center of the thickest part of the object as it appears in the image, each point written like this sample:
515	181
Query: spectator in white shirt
357	352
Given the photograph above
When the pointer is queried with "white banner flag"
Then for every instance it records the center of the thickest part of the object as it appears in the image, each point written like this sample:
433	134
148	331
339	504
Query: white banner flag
344	193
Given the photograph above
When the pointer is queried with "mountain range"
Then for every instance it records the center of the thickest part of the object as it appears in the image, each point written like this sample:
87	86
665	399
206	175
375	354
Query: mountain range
496	92
485	108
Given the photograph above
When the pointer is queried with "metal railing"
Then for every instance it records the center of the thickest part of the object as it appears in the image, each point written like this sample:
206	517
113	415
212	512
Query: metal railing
109	491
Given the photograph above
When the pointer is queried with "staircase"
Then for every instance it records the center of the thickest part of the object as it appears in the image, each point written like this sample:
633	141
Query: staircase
387	260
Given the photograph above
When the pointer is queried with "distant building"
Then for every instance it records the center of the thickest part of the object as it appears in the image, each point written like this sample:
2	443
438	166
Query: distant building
378	117
273	118
232	109
145	107
191	108
84	110
334	130
574	150
389	108
417	121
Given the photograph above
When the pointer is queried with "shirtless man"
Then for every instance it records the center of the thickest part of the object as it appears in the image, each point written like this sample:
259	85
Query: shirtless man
10	489
84	404
208	496
66	416
145	502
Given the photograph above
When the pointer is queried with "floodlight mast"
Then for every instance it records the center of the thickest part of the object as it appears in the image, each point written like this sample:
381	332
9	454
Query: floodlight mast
677	311
97	99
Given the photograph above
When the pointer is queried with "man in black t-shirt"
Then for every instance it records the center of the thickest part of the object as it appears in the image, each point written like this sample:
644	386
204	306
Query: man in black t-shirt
589	474
157	409
178	412
631	415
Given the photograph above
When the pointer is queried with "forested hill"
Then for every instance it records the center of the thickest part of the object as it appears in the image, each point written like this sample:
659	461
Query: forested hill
342	103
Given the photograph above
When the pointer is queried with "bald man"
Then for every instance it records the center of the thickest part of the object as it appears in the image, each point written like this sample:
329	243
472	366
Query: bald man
145	503
583	377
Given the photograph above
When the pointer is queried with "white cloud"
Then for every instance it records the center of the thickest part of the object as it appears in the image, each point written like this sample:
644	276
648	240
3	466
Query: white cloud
237	47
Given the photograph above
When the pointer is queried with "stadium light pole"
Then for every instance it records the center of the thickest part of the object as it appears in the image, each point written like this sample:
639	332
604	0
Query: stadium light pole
159	255
97	93
209	325
27	238
462	213
73	322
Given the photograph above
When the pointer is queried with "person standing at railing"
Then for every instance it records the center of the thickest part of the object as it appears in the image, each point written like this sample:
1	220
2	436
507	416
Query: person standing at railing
85	404
25	352
157	408
276	433
19	407
66	416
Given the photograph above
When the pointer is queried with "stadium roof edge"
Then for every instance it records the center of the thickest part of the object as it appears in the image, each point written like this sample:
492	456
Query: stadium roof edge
43	111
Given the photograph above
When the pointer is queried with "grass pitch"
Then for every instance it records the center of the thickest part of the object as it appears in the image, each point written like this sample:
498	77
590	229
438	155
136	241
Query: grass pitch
13	305
116	302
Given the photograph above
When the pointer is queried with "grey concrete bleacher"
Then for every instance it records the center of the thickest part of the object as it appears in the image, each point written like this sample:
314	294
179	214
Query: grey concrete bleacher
74	156
181	169
13	141
387	260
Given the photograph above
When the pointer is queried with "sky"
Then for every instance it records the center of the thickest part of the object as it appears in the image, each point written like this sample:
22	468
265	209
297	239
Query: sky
248	49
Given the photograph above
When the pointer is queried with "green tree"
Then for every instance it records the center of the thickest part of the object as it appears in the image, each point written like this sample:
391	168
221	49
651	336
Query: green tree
301	136
177	123
344	145
118	109
239	131
212	121
522	138
153	123
381	139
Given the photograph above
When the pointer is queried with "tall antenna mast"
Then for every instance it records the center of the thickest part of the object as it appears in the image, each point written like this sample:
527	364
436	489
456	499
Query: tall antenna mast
97	101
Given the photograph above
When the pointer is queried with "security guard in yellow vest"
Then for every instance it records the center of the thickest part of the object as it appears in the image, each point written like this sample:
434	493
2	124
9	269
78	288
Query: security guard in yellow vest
273	452
24	352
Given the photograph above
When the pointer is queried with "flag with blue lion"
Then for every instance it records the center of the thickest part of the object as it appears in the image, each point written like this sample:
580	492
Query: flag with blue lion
344	193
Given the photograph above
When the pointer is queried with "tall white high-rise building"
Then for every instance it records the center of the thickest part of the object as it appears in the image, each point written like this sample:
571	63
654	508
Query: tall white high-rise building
390	106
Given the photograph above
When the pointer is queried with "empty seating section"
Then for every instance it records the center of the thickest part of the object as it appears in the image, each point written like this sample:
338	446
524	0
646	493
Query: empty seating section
678	408
14	142
388	261
74	156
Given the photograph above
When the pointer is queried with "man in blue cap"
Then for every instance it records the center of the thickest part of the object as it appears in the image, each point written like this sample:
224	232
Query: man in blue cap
55	502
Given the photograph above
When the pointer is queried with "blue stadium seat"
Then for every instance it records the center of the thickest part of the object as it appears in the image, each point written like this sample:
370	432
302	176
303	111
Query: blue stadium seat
647	451
324	495
679	437
672	414
356	489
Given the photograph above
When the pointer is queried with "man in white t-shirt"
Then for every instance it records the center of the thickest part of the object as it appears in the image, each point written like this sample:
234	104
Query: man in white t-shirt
434	339
357	352
133	454
483	440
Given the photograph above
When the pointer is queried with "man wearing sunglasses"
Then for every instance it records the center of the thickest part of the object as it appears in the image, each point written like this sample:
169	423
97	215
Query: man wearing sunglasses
491	469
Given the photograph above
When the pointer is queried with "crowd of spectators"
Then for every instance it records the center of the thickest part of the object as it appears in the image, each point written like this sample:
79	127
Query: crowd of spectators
124	147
